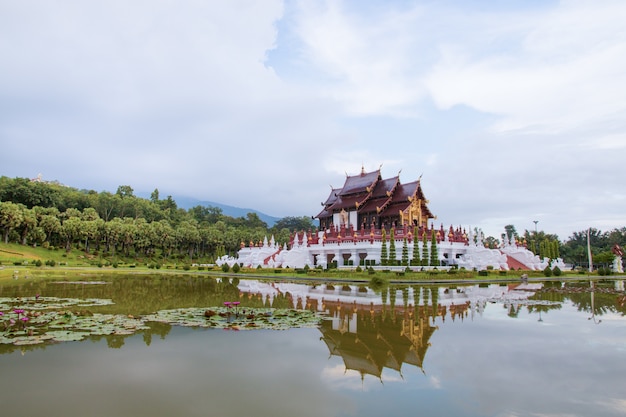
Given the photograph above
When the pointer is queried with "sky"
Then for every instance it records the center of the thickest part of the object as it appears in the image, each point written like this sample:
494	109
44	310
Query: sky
510	111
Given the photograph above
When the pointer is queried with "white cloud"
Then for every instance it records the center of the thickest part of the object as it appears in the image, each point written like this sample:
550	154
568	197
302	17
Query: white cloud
568	69
511	112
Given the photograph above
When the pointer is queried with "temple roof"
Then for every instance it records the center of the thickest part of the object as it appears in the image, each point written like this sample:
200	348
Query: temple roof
359	184
368	193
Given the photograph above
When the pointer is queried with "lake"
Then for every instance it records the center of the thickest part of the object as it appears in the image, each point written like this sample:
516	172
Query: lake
504	349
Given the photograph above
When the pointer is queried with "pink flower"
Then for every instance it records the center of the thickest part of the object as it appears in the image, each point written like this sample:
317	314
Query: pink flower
24	319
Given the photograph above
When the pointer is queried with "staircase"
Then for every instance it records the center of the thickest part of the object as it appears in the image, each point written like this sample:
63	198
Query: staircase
272	256
514	264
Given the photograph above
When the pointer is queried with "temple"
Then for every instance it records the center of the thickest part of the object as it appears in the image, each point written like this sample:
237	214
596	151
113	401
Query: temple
368	201
383	223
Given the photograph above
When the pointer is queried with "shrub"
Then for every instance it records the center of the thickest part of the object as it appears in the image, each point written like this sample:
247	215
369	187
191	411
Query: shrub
225	267
186	267
556	271
483	273
236	268
377	282
371	271
547	271
17	263
38	262
358	269
51	262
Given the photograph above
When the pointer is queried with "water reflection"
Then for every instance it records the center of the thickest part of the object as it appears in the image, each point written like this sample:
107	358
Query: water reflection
472	350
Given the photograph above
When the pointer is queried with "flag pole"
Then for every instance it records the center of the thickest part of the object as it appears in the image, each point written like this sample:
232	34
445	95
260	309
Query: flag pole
589	252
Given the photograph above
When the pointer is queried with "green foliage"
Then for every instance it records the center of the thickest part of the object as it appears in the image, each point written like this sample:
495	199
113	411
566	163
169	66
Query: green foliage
405	252
236	268
434	255
424	259
556	271
225	267
384	255
392	248
416	250
547	272
377	283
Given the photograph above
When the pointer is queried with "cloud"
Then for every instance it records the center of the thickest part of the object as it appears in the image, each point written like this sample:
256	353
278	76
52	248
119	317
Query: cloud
512	112
566	69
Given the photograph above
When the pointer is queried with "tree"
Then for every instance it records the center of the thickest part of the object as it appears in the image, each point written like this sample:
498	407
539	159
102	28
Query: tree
434	256
125	191
70	230
293	223
424	248
392	248
510	231
11	217
28	224
405	252
416	249
384	255
154	196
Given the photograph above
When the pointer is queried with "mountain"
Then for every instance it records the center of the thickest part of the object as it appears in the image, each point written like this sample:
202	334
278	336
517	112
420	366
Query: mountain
187	203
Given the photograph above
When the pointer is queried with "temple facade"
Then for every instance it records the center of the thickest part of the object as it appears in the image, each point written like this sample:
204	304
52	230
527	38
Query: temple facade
368	201
383	223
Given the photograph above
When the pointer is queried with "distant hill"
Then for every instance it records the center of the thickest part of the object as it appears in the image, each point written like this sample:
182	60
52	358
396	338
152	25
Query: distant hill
187	203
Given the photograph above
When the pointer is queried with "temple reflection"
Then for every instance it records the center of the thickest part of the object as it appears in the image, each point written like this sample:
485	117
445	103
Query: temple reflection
369	341
373	330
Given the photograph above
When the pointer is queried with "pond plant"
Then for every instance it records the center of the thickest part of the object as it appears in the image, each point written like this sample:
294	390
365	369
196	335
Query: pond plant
36	320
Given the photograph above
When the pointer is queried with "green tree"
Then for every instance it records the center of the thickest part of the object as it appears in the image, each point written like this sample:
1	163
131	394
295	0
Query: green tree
510	231
293	223
392	248
405	252
28	224
416	250
424	248
11	217
384	255
434	256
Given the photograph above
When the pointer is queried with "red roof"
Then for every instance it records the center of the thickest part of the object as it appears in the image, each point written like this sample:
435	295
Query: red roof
368	192
358	184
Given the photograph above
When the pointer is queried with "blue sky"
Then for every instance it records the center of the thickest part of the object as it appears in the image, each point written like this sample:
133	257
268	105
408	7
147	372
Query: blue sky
512	111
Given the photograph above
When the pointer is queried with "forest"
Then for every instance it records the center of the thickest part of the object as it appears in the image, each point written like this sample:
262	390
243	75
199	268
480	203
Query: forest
51	215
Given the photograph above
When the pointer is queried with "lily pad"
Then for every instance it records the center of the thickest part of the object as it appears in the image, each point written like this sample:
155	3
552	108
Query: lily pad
261	318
